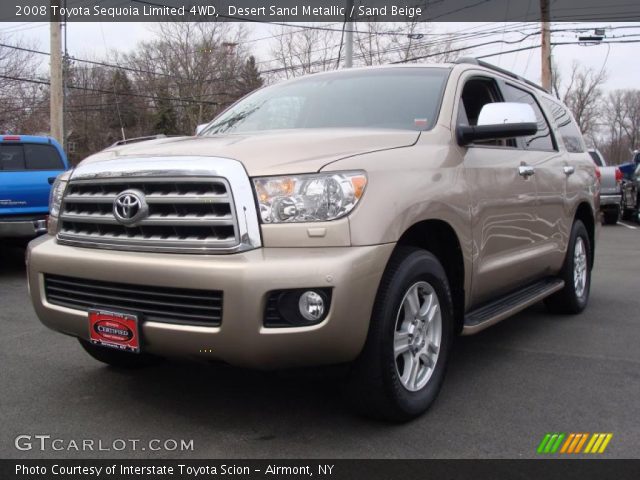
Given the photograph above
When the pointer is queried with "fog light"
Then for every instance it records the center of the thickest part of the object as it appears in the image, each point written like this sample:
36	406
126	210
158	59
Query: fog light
296	307
311	306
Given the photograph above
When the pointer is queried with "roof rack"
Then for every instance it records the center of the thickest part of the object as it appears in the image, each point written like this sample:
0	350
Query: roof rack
138	139
475	61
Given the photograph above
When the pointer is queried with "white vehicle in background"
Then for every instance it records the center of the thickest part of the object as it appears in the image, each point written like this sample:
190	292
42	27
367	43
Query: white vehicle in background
610	189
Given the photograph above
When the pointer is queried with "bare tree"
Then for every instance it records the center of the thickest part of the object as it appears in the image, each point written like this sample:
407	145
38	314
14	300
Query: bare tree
23	102
310	50
621	133
402	42
196	64
303	51
583	94
631	124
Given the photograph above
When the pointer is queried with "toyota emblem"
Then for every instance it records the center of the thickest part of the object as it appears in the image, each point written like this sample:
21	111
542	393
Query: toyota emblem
130	207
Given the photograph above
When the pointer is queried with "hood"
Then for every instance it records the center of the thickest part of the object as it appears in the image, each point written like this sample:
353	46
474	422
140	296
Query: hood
268	153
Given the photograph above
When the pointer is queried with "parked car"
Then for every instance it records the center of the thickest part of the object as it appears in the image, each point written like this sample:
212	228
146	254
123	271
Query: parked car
610	189
631	192
363	216
28	167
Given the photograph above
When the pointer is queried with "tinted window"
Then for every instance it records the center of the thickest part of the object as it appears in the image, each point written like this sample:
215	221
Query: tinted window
11	157
596	159
398	98
566	126
478	92
542	140
42	157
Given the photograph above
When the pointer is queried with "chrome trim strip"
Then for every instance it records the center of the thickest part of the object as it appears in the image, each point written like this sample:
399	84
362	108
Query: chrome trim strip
207	220
182	168
151	198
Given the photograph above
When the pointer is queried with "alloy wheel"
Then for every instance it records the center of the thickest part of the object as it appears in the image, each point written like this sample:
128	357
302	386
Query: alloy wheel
417	336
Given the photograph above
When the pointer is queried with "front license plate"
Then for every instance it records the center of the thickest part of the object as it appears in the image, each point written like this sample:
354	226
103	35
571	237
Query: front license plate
114	330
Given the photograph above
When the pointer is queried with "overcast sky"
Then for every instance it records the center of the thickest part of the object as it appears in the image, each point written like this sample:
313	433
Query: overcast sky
94	40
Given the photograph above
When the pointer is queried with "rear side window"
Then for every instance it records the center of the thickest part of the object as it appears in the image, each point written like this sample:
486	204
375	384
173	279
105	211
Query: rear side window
11	157
542	140
29	156
596	159
566	126
42	157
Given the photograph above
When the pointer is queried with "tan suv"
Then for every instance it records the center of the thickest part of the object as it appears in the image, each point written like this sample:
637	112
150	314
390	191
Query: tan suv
363	216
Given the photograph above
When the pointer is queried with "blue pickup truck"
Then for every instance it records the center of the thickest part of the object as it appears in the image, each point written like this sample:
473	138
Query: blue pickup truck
28	167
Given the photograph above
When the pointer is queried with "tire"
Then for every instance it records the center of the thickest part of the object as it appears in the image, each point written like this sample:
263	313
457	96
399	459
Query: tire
611	217
383	384
119	359
576	273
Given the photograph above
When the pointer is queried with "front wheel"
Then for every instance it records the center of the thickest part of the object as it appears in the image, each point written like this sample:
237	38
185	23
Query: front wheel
400	371
576	274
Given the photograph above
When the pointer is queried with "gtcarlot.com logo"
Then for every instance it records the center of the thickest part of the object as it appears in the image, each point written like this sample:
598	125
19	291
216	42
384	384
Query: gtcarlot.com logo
46	443
572	443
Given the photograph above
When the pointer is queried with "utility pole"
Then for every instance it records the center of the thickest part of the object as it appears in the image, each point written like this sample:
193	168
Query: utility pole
545	50
348	51
56	92
65	70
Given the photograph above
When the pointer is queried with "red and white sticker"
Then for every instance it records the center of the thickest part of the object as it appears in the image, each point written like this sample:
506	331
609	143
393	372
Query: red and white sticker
114	330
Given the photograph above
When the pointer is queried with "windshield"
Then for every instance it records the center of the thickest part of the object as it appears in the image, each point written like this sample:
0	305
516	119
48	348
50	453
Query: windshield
396	98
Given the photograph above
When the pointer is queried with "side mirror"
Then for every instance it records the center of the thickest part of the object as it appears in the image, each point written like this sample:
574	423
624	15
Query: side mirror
200	128
500	120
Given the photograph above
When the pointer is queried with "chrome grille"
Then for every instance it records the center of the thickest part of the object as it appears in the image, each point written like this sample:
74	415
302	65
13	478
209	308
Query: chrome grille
159	304
185	215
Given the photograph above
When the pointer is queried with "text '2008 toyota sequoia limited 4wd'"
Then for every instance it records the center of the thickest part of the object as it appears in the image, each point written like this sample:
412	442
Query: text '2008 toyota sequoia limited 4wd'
362	216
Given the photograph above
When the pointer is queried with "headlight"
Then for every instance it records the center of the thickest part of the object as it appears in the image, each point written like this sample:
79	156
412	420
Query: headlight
55	201
55	197
309	198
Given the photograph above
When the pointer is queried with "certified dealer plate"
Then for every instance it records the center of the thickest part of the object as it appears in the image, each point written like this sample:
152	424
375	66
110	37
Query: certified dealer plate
114	330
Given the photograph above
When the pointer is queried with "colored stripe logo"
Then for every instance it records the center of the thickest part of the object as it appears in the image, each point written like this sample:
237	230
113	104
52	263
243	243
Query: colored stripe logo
571	443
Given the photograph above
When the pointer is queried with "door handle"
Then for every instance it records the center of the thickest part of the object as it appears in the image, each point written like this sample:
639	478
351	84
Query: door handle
568	170
51	180
526	170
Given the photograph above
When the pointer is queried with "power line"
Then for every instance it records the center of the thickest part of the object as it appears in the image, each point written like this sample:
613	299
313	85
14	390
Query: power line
459	34
89	89
553	44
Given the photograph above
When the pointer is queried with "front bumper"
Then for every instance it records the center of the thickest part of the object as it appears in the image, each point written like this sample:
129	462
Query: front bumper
245	278
22	227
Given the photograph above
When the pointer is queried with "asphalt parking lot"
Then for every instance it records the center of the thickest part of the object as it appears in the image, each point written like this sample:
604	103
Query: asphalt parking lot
506	387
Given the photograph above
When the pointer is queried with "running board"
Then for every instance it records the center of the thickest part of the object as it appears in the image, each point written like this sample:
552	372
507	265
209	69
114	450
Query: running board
497	310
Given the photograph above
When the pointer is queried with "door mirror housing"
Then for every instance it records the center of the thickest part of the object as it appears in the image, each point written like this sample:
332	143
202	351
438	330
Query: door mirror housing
498	121
200	128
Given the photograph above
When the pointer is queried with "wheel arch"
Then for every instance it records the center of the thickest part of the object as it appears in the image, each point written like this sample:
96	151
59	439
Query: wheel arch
439	238
585	214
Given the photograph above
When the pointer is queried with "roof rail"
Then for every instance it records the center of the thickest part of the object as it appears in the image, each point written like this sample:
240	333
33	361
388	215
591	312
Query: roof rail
127	141
475	61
